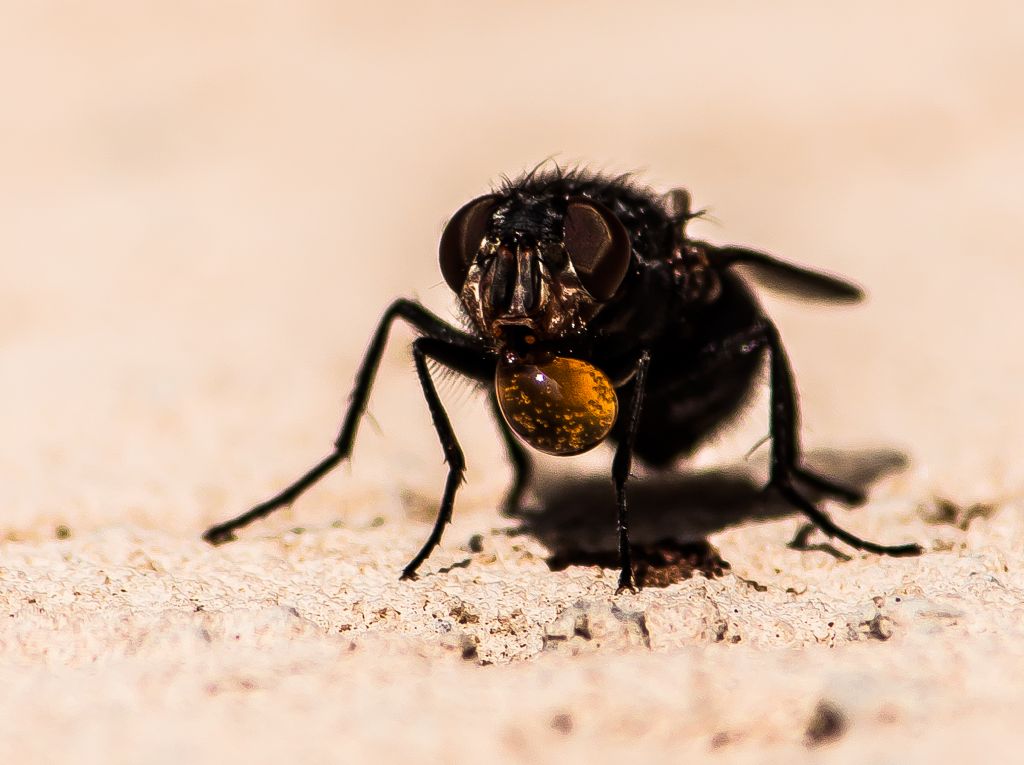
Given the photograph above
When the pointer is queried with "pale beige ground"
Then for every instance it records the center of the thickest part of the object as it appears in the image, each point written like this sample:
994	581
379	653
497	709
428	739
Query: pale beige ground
204	211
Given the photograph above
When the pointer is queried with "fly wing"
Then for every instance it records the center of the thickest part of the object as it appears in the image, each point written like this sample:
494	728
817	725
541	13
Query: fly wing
788	278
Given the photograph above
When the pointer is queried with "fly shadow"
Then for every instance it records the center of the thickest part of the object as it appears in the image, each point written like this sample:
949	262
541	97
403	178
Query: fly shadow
671	514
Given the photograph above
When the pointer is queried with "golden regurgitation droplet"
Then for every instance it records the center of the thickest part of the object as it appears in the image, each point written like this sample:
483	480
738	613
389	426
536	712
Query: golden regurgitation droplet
559	406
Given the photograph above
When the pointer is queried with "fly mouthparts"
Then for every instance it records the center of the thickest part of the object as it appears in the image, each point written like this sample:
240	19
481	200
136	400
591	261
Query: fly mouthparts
515	331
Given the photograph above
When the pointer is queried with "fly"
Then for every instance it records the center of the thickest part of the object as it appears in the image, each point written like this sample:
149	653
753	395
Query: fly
593	317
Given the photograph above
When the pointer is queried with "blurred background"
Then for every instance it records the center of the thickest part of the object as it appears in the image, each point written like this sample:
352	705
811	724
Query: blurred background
205	207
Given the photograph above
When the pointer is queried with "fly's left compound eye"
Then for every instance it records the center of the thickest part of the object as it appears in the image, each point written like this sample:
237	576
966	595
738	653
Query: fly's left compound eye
598	246
562	406
462	238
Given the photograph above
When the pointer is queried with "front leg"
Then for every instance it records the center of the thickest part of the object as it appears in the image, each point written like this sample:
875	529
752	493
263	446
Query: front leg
620	471
449	355
422	320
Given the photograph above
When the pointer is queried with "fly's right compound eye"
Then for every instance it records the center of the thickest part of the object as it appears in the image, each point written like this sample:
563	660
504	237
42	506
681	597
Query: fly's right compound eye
462	238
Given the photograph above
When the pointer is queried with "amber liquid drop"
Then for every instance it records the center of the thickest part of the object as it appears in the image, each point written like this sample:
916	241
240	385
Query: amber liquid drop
558	405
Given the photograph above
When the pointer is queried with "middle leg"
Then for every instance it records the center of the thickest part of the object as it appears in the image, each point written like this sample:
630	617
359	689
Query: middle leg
785	457
620	472
787	472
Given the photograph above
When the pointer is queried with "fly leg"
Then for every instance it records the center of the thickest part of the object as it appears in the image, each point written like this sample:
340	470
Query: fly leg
458	359
423	321
522	465
620	472
843	493
786	470
756	340
786	454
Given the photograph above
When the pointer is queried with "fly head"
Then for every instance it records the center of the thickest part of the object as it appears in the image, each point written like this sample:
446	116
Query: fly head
532	270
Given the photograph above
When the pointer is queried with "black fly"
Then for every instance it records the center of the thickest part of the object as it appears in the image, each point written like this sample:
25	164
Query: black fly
593	316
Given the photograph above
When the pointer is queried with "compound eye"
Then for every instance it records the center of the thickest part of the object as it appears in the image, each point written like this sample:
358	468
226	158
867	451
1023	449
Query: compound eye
598	246
462	238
